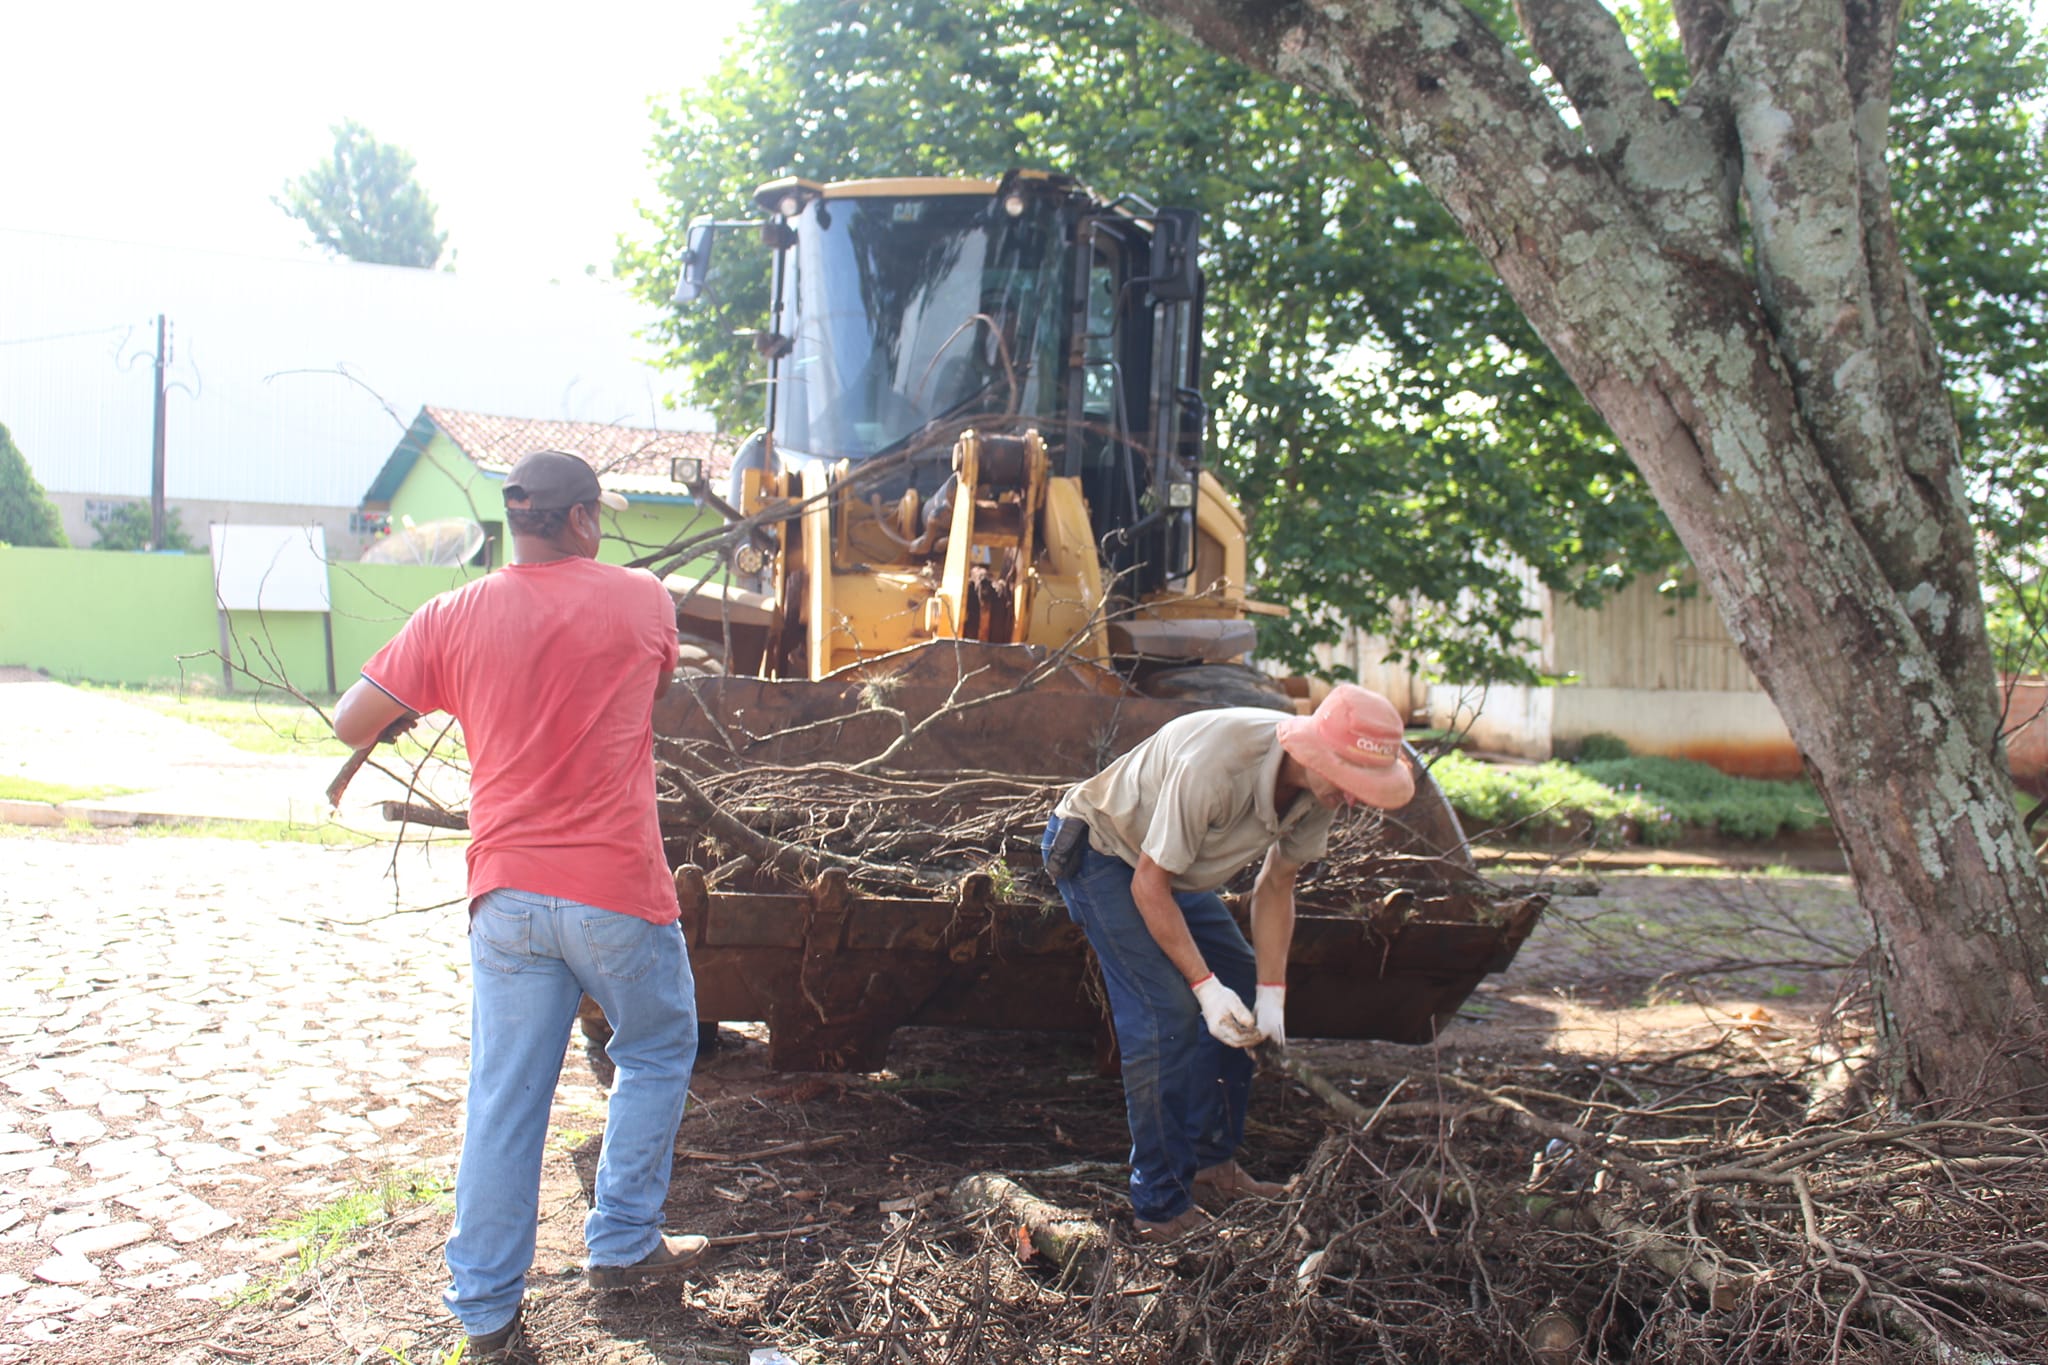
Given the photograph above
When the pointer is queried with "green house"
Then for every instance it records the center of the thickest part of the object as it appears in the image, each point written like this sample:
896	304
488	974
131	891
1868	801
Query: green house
452	464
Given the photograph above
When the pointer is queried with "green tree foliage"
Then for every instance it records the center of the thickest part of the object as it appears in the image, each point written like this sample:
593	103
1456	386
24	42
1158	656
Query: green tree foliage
27	516
1969	163
363	203
1970	184
1395	432
127	528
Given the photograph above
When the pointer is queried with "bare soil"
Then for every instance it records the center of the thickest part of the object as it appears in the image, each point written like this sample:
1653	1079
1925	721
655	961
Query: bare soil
833	1188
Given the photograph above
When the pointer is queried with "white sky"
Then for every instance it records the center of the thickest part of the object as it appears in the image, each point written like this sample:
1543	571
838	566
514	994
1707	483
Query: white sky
175	124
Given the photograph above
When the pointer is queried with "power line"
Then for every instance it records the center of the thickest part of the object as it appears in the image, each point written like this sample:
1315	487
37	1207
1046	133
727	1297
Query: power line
63	336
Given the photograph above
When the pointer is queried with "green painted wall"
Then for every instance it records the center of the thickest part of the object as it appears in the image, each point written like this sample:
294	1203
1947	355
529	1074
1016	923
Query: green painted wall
106	616
371	601
444	482
100	616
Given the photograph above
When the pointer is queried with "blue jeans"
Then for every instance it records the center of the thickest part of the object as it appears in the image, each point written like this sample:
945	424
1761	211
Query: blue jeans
532	957
1184	1092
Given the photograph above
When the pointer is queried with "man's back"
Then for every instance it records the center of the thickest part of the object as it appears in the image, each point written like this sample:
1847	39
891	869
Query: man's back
552	668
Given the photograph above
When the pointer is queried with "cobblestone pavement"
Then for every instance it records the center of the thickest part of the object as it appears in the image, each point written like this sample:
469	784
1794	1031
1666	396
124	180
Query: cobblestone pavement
200	1038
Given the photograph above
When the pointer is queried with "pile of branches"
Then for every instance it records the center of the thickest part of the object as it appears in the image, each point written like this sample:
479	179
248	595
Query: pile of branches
761	828
1672	1214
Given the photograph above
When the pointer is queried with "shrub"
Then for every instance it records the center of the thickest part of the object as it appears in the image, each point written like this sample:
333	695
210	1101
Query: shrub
127	528
1547	796
1695	794
27	516
1599	747
1643	799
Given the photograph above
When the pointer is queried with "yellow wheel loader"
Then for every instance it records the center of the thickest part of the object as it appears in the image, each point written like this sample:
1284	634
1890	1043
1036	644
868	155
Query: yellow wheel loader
975	537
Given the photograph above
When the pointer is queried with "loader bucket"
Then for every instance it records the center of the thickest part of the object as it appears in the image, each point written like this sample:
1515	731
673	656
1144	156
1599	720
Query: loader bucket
834	953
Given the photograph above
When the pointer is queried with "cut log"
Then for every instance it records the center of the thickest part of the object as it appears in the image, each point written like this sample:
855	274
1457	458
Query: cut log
1077	1246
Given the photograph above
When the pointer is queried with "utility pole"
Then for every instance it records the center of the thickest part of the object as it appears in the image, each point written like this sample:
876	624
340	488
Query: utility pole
156	451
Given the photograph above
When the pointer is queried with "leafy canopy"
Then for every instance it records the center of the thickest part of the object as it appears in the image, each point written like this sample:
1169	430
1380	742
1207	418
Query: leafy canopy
363	203
27	516
1968	156
127	528
1395	432
1970	182
1392	428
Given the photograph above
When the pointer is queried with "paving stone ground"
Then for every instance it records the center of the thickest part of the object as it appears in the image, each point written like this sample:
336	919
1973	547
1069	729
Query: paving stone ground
200	1039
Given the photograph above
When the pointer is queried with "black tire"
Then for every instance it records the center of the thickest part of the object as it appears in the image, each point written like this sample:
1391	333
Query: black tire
1427	826
695	658
1217	685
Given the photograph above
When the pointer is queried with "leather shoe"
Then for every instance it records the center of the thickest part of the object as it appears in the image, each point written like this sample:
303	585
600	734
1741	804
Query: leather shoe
506	1346
672	1255
1191	1219
1228	1180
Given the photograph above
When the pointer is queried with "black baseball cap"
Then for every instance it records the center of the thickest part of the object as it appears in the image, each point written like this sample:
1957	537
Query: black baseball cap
548	480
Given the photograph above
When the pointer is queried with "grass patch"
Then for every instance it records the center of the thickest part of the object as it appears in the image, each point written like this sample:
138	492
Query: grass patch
1625	800
265	722
319	1233
251	831
1540	796
257	831
269	722
1773	872
23	789
1695	794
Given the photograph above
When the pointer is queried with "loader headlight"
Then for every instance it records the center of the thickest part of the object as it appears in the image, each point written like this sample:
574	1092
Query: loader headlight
1014	205
686	469
750	559
1180	495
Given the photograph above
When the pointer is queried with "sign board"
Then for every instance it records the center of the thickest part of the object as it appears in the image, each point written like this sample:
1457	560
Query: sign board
270	568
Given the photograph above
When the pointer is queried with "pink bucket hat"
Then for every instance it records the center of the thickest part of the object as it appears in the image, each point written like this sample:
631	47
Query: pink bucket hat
1354	740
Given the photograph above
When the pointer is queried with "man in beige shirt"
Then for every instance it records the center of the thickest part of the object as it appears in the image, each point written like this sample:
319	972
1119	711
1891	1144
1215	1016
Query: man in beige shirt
1138	852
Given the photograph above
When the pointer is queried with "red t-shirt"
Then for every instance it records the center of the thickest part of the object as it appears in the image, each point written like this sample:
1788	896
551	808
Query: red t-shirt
551	668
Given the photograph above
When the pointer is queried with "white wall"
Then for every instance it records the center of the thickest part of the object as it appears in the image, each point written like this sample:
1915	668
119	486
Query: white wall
1657	671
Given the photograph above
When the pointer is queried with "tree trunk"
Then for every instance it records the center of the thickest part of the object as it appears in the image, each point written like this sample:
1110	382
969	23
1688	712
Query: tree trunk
1772	374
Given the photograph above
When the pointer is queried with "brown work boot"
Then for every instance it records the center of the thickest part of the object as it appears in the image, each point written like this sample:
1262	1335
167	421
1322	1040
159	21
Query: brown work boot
506	1346
671	1256
1227	1180
1189	1220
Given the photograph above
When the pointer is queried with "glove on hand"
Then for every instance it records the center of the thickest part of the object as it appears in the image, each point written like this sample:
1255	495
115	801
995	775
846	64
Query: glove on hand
1224	1012
1270	1007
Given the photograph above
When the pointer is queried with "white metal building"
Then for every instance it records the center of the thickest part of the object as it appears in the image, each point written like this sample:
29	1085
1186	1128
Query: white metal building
290	379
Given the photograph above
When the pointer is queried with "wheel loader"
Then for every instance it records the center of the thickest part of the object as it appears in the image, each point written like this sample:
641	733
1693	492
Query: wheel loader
975	539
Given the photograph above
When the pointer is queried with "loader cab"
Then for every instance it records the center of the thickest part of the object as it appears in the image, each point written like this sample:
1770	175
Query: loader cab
903	312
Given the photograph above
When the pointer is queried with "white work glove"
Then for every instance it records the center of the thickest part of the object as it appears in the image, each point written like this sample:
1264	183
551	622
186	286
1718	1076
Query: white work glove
1224	1012
1269	1005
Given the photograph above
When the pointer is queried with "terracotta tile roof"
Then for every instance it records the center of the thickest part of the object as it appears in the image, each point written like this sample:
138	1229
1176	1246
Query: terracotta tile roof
637	455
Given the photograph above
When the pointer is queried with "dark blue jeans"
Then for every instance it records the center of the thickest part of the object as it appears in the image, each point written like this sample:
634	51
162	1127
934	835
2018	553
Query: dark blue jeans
1184	1092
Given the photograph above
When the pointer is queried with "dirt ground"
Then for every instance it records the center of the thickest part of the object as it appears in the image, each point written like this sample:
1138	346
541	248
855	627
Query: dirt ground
829	1192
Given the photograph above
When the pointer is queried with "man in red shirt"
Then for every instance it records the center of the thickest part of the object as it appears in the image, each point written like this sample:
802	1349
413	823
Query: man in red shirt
552	665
